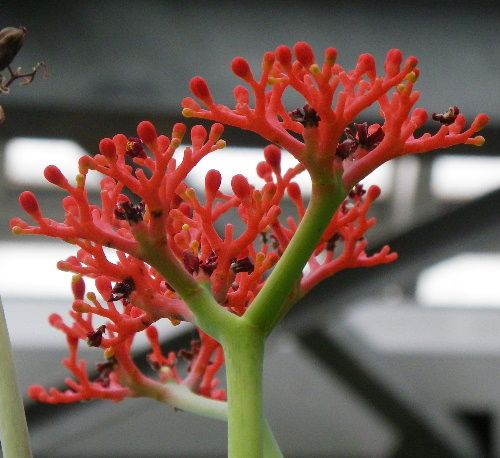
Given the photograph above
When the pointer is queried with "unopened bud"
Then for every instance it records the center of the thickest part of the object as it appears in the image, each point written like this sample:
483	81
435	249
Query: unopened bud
199	88
240	186
54	175
304	53
284	55
107	148
213	180
241	68
29	203
147	132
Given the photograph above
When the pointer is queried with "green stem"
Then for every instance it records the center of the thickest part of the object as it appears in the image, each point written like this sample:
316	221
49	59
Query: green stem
244	353
13	428
267	308
181	397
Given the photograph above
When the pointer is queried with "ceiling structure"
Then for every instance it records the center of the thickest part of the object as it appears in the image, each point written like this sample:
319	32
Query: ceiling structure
360	368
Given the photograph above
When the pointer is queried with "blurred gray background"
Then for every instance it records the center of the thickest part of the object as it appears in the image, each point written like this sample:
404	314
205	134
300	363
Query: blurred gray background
400	360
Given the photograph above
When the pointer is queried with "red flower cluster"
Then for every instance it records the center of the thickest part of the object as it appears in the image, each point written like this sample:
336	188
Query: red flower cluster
334	99
145	202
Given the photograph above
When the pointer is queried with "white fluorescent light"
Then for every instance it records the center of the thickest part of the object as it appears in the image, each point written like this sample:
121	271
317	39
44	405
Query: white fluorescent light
464	177
28	270
26	158
466	280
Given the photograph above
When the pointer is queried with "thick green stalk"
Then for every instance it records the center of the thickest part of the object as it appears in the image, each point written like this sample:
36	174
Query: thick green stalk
13	428
183	398
244	353
267	308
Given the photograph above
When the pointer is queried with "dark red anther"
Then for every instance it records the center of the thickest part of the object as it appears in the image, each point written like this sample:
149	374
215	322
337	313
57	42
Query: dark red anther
448	117
191	262
133	213
210	264
94	338
104	370
361	138
357	192
122	289
330	244
242	265
307	116
135	148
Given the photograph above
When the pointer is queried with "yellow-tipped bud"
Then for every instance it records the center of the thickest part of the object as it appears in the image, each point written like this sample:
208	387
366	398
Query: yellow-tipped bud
315	69
91	296
412	77
401	88
187	112
16	230
220	144
195	246
109	352
81	307
80	180
186	227
273	80
190	193
477	141
260	257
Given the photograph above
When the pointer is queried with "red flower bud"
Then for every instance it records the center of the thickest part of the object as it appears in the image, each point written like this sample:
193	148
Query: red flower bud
36	392
241	94
147	132
273	156
198	135
284	56
480	121
419	116
213	181
366	64
199	88
55	320
268	61
54	175
163	142
103	285
330	56
179	130
29	203
393	62
78	287
107	148
294	191
216	132
240	186
304	53
264	170
241	68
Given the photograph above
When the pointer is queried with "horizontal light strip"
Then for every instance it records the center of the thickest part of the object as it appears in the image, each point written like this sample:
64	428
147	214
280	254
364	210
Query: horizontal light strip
466	280
464	177
26	158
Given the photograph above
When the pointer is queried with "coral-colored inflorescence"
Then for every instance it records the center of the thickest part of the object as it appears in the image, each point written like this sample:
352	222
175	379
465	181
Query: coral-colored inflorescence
145	197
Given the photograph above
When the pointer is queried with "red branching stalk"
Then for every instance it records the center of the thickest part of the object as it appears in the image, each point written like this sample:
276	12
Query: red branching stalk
144	196
334	99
